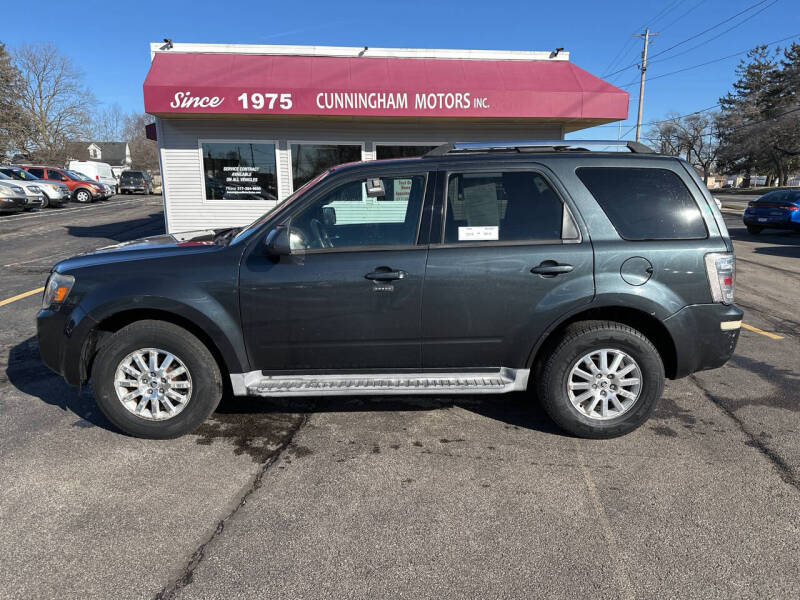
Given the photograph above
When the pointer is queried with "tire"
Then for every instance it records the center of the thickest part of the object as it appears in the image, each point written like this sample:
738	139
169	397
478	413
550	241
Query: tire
754	229
45	202
83	196
582	339
205	382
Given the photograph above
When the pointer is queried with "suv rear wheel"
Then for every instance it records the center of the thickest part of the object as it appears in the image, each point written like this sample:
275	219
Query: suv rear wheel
754	229
602	380
153	379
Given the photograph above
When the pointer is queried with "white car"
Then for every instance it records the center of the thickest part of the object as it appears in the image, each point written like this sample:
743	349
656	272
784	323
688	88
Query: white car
55	192
96	171
34	195
12	198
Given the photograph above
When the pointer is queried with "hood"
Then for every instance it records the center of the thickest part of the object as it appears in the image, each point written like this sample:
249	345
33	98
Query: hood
145	248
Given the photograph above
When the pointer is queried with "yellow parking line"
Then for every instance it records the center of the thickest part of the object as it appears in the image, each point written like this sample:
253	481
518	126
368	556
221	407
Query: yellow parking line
772	336
20	296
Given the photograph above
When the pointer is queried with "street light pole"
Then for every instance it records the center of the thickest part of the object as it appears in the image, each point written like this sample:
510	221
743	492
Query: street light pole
643	68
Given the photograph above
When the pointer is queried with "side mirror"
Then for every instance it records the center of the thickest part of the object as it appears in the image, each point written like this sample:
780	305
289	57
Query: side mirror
277	242
375	188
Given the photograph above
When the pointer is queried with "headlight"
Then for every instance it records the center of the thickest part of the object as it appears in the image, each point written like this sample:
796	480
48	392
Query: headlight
57	289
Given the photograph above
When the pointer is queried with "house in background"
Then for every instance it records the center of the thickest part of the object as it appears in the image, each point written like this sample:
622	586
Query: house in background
116	154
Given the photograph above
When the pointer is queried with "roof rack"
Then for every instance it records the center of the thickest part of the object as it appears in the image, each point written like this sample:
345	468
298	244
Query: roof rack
535	146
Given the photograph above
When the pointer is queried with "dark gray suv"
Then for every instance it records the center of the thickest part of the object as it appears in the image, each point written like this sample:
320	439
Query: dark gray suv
583	278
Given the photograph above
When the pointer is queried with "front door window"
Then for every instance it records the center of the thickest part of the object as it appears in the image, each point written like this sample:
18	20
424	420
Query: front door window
348	217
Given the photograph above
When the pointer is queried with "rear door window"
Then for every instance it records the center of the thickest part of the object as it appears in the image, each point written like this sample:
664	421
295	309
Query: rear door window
512	206
37	172
645	203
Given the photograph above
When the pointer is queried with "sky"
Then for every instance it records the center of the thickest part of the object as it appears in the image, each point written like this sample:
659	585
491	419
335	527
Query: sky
110	44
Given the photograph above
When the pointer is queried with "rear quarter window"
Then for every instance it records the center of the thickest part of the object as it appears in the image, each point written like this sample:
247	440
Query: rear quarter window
645	203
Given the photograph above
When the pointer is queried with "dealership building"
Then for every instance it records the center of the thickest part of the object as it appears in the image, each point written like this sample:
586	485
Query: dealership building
240	127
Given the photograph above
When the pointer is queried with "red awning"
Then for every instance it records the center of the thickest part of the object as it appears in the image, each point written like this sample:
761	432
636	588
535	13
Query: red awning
258	84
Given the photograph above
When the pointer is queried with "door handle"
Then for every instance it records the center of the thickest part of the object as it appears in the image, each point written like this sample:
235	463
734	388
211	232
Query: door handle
385	274
551	268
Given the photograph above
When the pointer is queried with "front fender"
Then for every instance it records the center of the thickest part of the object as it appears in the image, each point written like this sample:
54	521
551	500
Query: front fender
215	311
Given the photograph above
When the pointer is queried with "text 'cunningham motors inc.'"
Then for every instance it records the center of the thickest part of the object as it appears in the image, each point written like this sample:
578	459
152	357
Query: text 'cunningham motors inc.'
399	100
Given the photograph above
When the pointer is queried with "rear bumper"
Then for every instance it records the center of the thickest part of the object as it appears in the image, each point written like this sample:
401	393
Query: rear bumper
704	335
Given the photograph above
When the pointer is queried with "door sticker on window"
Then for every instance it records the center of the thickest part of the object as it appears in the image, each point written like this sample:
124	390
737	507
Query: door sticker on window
473	234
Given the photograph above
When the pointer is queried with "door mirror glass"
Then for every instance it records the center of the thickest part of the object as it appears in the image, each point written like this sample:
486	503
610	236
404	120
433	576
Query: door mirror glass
375	188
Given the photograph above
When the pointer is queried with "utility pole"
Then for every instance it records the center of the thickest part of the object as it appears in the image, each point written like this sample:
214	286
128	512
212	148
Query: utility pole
643	68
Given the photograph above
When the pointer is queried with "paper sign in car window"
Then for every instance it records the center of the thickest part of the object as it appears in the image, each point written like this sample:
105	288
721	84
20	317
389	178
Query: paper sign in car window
477	234
480	201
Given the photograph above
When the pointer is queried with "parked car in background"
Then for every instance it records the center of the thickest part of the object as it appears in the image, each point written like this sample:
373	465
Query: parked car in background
34	195
132	182
12	197
582	278
56	193
108	190
81	188
96	171
775	210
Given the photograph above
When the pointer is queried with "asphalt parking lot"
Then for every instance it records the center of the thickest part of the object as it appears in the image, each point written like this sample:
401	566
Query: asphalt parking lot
400	497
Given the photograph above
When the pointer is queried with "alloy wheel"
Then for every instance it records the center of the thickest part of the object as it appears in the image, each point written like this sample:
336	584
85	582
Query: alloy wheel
153	384
604	384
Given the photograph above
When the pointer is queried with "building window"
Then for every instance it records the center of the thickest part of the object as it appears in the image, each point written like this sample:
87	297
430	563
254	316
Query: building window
382	152
309	160
240	171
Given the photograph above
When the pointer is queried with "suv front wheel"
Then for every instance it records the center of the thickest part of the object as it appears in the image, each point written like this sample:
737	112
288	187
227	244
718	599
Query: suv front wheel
153	379
603	379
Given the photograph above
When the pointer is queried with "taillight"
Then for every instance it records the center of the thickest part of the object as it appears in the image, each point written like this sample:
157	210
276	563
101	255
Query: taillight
97	177
721	271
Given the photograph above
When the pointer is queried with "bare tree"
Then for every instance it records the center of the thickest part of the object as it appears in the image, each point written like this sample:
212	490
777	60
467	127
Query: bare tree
108	124
695	137
10	117
55	103
144	152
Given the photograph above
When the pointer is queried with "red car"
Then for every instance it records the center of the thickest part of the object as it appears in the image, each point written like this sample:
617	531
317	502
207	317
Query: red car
81	189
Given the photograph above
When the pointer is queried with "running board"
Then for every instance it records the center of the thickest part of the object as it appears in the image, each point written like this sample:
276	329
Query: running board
499	381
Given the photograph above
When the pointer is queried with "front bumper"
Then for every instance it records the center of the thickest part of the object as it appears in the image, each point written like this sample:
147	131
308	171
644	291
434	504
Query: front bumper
12	205
63	343
704	335
34	201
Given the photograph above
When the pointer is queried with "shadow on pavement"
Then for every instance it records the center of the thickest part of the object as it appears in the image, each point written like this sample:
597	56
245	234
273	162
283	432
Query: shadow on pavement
243	419
27	373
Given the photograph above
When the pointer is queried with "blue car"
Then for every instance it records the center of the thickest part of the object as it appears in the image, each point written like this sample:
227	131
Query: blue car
777	210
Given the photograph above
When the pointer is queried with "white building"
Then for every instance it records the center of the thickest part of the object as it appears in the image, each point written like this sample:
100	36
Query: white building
240	127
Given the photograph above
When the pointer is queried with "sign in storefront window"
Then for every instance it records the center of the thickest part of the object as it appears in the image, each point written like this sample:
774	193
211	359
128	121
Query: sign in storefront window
309	160
240	171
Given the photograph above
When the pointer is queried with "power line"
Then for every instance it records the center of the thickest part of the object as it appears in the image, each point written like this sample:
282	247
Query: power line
671	23
719	35
695	36
709	62
663	12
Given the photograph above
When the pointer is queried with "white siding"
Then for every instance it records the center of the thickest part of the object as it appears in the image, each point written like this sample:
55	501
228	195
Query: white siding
182	168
